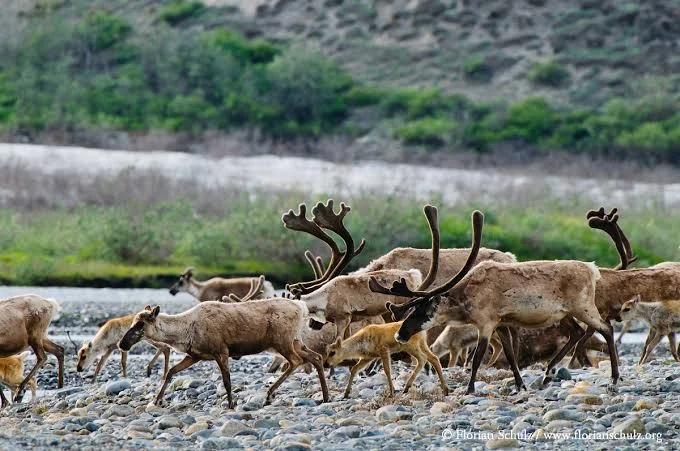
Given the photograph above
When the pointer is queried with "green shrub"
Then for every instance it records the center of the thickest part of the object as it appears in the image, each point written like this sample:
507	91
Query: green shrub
479	135
245	51
550	73
572	132
301	93
531	119
428	131
364	95
614	118
131	239
102	30
190	112
180	10
416	103
649	136
478	69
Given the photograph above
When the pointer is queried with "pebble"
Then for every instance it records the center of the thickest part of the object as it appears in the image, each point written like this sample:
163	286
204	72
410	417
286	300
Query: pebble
120	411
231	427
221	443
169	421
562	414
393	412
630	426
114	388
563	374
502	443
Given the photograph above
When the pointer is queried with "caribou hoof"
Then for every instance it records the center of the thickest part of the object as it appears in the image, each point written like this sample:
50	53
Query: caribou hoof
18	397
518	390
611	388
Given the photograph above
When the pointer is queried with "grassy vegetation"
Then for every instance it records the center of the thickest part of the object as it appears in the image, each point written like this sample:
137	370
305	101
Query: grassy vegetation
549	73
136	246
102	71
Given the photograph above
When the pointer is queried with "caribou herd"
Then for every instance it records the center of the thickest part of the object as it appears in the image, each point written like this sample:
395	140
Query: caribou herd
433	306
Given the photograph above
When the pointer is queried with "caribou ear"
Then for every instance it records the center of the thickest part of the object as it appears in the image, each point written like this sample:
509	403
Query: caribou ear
637	298
338	342
148	307
155	311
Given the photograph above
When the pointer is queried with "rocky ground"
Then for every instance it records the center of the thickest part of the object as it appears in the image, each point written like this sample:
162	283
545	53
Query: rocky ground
115	412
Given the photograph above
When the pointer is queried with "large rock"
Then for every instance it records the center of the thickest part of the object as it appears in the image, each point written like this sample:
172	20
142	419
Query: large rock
562	414
221	443
169	421
120	411
115	387
232	427
196	427
625	406
393	412
630	426
558	425
502	443
563	374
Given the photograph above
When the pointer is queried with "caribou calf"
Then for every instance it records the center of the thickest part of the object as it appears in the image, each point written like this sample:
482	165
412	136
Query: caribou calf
377	341
12	373
105	342
663	318
457	341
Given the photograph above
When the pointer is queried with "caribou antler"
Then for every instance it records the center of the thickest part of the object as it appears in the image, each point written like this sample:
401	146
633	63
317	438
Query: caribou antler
316	263
323	218
608	223
433	222
255	289
300	223
75	347
400	288
326	218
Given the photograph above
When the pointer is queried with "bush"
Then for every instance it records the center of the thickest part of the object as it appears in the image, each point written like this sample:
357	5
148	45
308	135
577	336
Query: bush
428	131
481	134
179	11
416	103
130	239
102	30
301	93
152	236
572	132
364	95
649	136
245	51
478	69
531	119
550	73
190	112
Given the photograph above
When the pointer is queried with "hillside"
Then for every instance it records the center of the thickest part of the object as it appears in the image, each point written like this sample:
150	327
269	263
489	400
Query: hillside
590	77
483	49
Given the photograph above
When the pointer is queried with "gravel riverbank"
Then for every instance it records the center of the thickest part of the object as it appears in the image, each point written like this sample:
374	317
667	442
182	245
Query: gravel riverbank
115	412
